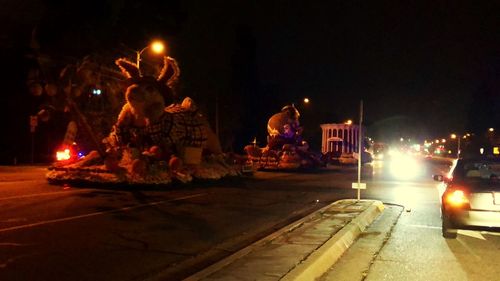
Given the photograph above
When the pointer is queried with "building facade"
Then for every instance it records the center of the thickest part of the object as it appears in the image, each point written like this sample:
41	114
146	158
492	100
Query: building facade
340	139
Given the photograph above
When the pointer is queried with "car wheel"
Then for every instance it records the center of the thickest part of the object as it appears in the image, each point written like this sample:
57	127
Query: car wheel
448	231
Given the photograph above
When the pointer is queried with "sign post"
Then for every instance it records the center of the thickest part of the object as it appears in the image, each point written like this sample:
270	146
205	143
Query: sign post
359	185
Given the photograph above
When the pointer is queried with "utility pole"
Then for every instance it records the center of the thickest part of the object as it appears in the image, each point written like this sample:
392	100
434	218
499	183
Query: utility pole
360	147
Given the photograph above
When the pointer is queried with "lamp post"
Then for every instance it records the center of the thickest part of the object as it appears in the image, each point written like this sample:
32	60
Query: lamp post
491	134
157	47
455	136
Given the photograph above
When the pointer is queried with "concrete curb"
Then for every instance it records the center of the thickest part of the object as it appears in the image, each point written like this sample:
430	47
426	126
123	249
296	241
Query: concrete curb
324	257
319	261
228	260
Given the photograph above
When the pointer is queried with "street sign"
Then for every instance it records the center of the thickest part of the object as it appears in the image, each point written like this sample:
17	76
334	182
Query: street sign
361	185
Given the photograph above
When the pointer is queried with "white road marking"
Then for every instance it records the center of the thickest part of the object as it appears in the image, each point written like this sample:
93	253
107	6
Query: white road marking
12	182
97	213
42	194
13	220
471	233
12	244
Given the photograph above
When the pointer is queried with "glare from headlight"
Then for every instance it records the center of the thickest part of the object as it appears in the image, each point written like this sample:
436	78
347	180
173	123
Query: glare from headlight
404	167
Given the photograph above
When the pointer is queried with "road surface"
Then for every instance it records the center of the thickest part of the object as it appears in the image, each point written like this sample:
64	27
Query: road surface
52	232
407	244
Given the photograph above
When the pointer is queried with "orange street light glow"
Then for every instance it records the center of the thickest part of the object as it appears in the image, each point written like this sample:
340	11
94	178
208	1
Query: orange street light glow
306	100
348	122
157	47
453	136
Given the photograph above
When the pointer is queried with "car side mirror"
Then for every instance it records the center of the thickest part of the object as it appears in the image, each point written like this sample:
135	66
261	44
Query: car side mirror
438	177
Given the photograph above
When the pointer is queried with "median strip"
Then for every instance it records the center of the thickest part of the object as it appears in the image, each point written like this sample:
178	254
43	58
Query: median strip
303	250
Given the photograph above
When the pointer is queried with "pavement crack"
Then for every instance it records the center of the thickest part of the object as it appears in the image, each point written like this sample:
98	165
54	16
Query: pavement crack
144	246
377	253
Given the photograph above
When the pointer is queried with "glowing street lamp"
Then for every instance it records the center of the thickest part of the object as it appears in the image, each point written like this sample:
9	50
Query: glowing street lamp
306	100
348	122
454	136
491	129
157	46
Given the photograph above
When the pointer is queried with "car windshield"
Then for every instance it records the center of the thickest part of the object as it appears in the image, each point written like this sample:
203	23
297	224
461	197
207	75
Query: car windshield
481	174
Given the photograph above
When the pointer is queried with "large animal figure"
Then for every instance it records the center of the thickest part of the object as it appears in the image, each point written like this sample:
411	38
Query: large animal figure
284	128
146	121
154	140
285	147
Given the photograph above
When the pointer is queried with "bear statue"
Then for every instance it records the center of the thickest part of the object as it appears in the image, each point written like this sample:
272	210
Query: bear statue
154	139
149	119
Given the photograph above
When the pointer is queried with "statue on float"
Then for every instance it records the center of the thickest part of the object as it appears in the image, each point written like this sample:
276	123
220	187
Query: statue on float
285	147
154	140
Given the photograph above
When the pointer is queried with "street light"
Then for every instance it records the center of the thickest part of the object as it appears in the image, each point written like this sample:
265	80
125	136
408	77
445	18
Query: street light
157	47
306	100
454	136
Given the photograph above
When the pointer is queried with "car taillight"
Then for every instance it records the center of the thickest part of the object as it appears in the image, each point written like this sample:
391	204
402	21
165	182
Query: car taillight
68	153
457	198
63	155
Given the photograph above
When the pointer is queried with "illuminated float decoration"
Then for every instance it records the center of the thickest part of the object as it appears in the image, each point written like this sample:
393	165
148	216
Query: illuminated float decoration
154	141
285	147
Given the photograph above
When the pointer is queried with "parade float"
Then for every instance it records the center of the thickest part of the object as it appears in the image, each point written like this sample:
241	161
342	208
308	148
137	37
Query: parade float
285	147
154	140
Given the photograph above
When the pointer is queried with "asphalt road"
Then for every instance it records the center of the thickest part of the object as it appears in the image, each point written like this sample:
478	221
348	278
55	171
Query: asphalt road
52	232
413	249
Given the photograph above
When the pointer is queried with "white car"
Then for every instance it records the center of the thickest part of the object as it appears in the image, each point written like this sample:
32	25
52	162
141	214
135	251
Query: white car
471	198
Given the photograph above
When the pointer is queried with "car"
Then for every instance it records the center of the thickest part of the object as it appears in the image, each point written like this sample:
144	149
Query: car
471	196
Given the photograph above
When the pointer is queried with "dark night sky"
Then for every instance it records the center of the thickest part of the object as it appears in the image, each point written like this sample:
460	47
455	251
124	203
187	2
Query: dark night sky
423	68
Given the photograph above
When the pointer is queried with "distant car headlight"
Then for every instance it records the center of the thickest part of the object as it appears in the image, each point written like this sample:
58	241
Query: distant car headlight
404	167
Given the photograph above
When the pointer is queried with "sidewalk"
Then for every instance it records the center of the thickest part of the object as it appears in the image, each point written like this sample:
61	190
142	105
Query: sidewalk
303	250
